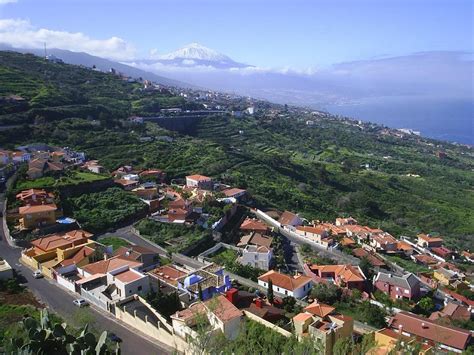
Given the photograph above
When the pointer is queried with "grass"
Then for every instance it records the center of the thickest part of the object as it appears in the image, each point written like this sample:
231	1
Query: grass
71	178
407	264
114	242
224	256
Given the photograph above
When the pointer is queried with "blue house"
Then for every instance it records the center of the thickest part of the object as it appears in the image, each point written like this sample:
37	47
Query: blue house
210	279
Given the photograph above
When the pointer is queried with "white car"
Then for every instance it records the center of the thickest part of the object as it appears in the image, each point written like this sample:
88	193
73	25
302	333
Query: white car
37	274
80	302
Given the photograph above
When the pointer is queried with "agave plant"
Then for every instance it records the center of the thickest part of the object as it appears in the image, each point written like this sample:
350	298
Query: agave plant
47	338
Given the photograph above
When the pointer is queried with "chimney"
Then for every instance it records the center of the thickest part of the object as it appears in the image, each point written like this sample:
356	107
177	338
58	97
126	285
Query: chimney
423	325
258	303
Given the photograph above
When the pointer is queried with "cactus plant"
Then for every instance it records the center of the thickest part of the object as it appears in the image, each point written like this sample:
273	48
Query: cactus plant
47	338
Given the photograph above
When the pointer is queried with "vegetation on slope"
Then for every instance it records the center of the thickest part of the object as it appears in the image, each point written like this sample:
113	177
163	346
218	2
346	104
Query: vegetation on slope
317	170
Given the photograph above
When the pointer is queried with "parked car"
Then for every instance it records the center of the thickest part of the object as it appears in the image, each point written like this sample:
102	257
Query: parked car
113	337
80	302
37	274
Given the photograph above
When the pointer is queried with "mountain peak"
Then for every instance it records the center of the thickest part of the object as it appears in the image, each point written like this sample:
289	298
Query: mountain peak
196	51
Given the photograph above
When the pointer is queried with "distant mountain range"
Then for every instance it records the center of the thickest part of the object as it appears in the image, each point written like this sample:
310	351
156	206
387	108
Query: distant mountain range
87	60
193	55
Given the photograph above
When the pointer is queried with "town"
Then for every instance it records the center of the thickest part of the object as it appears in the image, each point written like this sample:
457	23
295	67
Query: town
190	258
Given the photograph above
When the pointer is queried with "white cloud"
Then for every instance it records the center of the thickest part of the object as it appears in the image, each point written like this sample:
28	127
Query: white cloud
3	2
20	33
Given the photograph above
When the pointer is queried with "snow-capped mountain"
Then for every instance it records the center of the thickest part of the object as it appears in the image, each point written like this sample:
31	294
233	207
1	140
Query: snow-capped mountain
196	51
194	55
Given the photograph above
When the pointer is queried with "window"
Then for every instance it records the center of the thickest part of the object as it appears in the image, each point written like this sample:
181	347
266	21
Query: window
129	291
286	292
139	288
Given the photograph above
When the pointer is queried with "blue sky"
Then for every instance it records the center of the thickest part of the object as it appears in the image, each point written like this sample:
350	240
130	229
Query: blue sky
296	34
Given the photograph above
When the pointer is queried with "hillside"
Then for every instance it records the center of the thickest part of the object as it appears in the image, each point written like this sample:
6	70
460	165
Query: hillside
318	170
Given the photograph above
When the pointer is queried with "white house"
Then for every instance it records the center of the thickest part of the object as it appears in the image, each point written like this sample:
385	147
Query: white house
297	286
256	256
315	234
220	312
200	181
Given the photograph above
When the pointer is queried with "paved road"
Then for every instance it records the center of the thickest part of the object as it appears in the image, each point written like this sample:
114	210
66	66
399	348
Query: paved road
60	301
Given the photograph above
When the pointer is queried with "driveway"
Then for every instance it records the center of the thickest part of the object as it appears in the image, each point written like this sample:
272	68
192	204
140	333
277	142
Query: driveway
60	302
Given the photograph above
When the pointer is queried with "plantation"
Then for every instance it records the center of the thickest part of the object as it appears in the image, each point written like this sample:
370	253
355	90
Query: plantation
319	171
99	211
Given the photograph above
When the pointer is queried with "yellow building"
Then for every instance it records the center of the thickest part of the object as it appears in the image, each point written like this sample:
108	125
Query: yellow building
32	217
73	247
386	341
322	322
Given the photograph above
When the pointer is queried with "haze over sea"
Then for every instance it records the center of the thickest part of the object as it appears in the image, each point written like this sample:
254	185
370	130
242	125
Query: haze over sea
449	120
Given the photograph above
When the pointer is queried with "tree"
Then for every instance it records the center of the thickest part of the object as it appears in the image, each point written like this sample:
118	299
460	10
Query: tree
425	306
326	293
201	298
343	346
270	295
366	268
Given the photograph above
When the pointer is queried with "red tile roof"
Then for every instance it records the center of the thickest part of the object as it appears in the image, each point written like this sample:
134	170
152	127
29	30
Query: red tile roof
319	309
312	229
287	217
253	224
128	276
198	177
286	282
232	192
223	309
55	241
425	328
37	208
104	266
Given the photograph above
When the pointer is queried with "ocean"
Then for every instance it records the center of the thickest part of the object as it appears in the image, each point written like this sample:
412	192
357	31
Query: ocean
448	120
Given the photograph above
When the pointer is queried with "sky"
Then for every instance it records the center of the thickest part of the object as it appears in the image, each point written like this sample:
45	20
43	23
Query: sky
278	34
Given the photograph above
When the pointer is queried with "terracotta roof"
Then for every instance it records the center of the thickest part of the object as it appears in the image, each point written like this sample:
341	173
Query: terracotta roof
128	276
89	278
319	309
286	282
402	245
133	252
125	182
223	309
425	259
373	260
312	229
347	241
253	224
459	297
384	239
287	217
255	239
198	177
429	238
348	273
151	172
302	317
104	266
425	328
25	194
55	241
37	208
333	228
167	273
232	192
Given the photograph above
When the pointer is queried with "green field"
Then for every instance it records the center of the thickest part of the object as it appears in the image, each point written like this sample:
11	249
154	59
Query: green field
114	242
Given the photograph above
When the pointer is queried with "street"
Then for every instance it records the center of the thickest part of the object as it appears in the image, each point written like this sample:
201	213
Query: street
60	302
